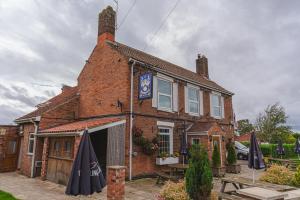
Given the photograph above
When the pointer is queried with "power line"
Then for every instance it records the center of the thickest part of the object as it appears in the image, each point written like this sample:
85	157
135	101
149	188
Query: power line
161	25
126	15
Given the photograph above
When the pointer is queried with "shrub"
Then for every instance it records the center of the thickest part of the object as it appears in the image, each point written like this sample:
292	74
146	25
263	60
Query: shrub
269	150
278	174
198	177
231	156
296	179
174	191
216	159
246	143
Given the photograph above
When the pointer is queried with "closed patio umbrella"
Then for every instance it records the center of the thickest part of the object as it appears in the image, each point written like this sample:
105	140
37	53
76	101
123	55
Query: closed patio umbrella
183	146
86	176
297	148
255	158
279	149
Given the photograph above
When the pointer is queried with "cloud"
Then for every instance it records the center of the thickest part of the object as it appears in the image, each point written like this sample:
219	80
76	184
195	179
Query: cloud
252	47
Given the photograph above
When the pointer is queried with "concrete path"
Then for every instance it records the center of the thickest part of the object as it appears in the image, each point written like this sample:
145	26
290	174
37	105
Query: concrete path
25	188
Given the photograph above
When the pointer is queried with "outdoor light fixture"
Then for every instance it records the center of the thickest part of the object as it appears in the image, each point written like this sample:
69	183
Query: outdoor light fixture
210	138
223	138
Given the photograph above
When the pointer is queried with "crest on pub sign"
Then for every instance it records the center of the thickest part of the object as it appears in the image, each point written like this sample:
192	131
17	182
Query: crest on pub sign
145	86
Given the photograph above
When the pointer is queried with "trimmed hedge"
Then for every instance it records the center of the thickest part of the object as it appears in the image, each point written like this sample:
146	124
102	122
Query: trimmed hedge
269	150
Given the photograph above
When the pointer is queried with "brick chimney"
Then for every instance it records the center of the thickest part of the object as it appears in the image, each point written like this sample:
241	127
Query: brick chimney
202	66
106	25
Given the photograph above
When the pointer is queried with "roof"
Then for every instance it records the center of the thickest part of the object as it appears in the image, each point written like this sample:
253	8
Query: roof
78	126
165	66
66	95
200	127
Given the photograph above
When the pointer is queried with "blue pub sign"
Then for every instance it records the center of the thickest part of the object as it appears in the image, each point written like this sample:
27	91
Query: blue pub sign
145	86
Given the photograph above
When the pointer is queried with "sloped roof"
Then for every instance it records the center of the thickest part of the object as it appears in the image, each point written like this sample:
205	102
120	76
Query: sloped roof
165	66
200	127
80	125
66	95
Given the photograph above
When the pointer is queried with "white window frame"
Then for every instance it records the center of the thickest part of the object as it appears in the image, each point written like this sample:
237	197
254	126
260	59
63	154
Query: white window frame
30	139
220	107
193	101
170	81
162	125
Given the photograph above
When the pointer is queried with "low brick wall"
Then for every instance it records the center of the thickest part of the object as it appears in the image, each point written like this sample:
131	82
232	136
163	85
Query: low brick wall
116	183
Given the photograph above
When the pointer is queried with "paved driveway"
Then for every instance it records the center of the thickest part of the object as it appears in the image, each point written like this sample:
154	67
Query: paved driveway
35	189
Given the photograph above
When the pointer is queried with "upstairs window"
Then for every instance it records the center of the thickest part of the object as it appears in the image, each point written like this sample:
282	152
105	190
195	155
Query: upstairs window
193	100
217	106
164	89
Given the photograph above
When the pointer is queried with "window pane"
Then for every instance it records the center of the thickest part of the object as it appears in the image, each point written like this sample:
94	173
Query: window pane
215	100
195	141
164	101
164	144
194	107
12	145
217	111
193	94
164	87
30	148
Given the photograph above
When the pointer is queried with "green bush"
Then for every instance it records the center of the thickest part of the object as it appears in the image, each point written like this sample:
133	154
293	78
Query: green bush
278	174
216	159
198	177
269	150
231	156
246	143
296	179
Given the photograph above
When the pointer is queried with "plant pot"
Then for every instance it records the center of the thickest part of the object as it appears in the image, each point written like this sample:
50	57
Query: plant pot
235	169
218	171
167	161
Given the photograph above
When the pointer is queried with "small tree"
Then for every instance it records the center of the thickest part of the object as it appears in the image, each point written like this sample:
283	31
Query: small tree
231	156
216	159
198	177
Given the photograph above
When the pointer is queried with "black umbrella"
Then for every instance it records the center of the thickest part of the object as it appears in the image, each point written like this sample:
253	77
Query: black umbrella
297	147
183	146
86	176
279	149
255	158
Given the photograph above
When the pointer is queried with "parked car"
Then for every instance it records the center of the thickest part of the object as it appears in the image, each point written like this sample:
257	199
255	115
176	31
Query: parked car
241	151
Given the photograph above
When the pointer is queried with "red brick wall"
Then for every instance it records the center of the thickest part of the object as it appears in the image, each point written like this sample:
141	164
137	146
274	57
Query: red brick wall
26	159
104	80
116	183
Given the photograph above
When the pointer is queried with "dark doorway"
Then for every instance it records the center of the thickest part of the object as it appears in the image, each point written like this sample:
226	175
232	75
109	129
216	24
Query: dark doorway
99	141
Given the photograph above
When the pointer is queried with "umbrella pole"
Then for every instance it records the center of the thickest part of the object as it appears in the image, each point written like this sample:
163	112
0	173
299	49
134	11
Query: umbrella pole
253	174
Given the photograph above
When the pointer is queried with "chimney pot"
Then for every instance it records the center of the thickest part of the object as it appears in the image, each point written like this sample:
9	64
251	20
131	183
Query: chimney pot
202	66
106	25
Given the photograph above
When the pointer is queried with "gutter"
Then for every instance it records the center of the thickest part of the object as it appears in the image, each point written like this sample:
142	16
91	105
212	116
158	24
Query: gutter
31	120
36	128
180	77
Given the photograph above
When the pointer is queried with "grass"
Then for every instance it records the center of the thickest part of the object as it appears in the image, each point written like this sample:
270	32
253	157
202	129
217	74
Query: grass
6	196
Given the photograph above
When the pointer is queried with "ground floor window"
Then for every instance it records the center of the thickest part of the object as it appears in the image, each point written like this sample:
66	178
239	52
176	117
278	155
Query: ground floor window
195	141
61	147
12	147
30	144
165	140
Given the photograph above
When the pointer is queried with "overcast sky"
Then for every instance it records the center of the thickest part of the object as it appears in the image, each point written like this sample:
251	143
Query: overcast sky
252	47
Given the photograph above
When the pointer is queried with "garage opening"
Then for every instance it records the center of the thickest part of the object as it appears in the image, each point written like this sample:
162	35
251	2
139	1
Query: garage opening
99	142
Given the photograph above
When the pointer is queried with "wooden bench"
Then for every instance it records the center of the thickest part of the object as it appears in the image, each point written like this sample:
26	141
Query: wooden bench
290	164
232	196
164	176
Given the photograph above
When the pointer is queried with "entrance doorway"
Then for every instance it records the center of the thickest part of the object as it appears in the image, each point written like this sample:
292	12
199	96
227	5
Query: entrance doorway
99	142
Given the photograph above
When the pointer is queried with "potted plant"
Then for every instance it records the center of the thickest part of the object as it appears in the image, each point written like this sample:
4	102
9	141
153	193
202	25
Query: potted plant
198	177
217	169
231	166
165	159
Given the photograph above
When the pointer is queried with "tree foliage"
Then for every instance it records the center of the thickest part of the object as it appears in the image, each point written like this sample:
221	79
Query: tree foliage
244	126
231	156
198	177
216	158
271	124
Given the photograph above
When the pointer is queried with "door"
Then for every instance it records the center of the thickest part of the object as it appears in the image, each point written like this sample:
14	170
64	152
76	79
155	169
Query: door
9	156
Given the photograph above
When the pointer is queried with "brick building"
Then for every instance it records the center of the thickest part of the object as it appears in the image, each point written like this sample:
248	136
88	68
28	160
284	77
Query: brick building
107	101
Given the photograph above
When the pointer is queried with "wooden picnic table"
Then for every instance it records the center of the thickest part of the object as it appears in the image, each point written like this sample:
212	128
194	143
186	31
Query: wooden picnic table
241	183
177	168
